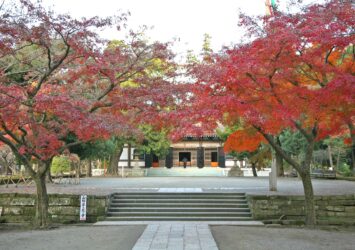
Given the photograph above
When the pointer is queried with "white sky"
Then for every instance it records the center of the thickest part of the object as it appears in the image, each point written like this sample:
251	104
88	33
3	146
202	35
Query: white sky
187	20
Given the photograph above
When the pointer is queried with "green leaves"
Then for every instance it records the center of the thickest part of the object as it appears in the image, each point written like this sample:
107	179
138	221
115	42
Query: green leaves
60	164
155	141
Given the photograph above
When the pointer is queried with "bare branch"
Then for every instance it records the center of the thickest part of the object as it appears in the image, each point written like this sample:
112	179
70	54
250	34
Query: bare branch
17	153
279	150
8	132
327	56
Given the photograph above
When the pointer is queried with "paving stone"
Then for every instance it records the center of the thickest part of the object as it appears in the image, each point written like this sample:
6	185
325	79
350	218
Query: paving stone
176	236
176	244
192	246
140	248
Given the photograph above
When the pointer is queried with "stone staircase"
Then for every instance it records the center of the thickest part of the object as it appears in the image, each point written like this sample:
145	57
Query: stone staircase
175	206
189	171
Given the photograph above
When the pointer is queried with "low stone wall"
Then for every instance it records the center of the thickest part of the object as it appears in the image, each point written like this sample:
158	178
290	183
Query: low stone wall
330	210
132	172
63	208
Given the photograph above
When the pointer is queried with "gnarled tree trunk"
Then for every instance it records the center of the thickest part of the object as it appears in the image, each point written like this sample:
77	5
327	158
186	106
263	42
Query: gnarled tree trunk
49	176
309	198
253	167
279	165
279	160
114	160
41	216
89	168
352	135
304	171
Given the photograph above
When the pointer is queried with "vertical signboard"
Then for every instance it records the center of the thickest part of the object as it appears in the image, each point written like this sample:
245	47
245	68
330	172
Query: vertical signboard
83	201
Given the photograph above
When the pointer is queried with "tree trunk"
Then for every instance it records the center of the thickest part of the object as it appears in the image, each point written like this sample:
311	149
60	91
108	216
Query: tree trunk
279	165
6	166
338	160
41	217
352	165
77	172
49	176
129	155
279	160
6	169
89	168
255	174
304	171
114	160
310	212
330	157
352	135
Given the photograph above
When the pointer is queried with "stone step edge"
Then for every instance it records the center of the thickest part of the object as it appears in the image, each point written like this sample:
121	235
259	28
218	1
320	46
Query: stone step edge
211	223
178	214
179	193
178	205
237	203
160	197
180	202
176	199
172	218
181	208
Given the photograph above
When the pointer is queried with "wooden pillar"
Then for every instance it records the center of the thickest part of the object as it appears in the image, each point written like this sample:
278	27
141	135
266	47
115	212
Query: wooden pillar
221	158
200	157
148	160
169	158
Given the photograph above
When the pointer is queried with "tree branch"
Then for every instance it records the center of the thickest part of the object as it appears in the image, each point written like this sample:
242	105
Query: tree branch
309	137
8	132
327	56
280	151
51	69
16	152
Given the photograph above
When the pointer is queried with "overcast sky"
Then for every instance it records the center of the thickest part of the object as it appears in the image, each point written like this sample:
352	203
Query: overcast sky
186	20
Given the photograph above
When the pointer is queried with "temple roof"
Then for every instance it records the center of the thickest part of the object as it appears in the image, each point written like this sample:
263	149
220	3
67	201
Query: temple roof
210	137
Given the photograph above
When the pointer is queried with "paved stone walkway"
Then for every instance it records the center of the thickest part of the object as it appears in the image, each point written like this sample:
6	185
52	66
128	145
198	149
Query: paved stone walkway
176	236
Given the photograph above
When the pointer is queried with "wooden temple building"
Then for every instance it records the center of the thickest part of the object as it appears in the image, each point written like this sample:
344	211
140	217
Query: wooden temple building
205	151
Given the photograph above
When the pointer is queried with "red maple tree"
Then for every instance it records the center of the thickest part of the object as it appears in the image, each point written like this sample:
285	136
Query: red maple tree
58	78
297	73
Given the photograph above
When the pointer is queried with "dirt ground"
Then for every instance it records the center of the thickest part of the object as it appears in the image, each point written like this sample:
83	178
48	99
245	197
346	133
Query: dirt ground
71	238
262	238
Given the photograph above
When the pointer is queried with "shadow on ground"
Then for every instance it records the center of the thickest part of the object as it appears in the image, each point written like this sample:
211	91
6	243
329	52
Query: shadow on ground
262	238
71	238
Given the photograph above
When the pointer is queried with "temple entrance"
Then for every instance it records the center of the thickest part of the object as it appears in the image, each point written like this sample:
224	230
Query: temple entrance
214	159
183	155
155	162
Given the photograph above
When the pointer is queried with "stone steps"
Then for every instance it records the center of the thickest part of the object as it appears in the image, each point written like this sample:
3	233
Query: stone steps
179	214
189	171
197	206
180	204
178	201
177	209
176	194
165	218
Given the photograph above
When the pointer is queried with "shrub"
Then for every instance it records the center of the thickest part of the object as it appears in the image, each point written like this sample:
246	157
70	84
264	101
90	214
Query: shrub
345	170
60	164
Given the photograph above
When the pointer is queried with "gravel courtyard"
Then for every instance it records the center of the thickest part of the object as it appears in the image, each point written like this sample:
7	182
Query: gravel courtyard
261	238
71	238
249	185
